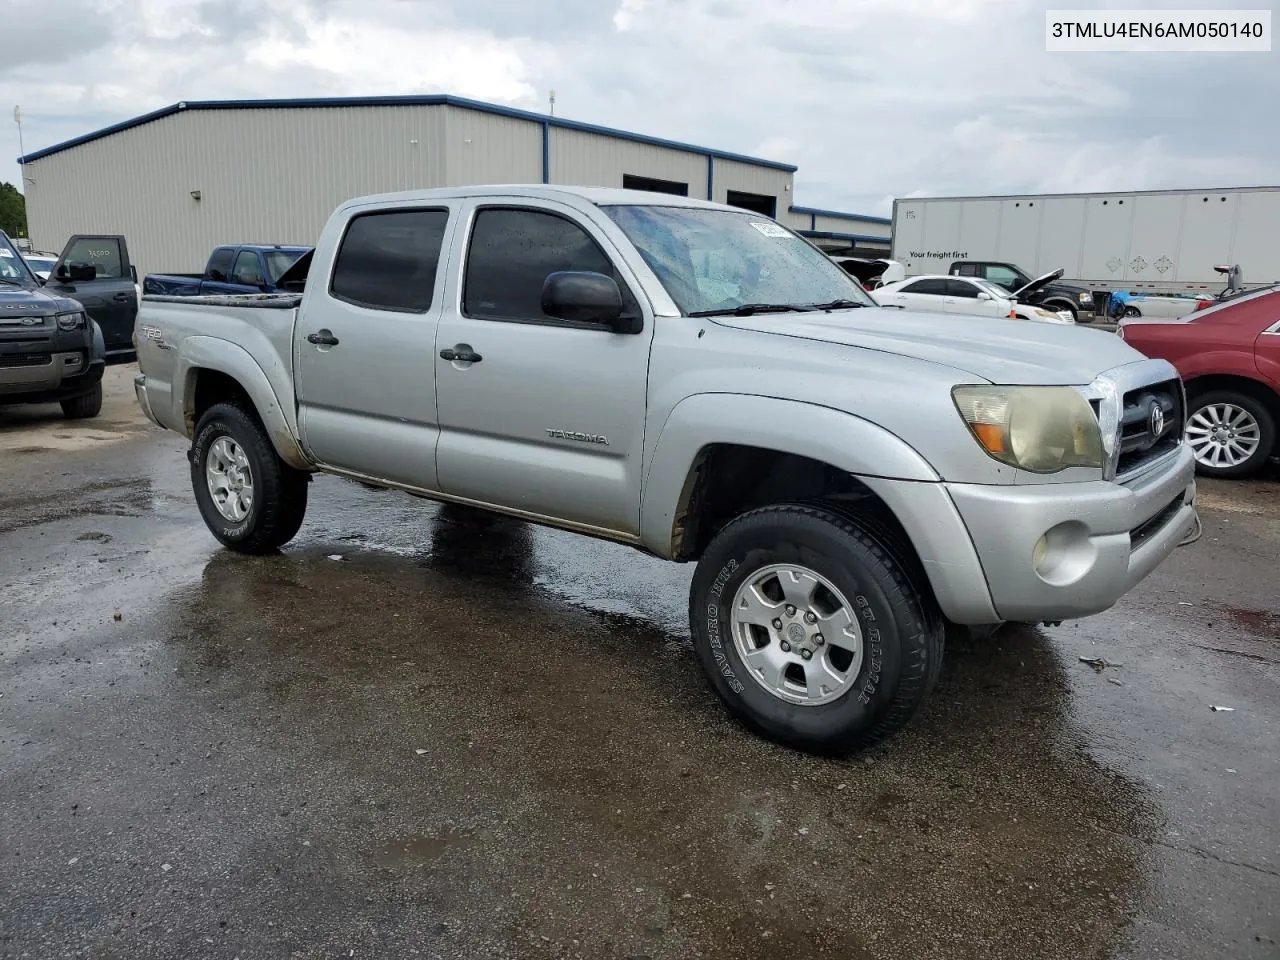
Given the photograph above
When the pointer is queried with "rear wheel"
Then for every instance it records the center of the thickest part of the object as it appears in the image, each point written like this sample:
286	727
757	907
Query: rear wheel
251	500
811	630
83	407
1231	434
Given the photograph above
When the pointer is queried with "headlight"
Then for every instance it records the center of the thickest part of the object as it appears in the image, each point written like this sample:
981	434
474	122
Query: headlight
1041	429
1086	297
70	321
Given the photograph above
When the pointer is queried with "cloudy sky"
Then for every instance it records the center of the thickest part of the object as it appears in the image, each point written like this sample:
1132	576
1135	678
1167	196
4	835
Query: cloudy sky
872	99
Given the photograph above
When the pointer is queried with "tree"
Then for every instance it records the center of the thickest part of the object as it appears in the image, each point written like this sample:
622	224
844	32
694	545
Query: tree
13	211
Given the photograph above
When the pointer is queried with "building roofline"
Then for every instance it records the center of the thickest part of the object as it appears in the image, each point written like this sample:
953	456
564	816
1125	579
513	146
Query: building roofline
838	215
431	100
1181	191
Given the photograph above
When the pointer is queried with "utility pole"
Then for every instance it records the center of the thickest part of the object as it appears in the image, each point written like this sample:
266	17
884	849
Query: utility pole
22	150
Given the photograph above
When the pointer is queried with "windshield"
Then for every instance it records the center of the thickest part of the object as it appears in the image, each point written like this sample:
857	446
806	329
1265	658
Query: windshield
991	288
278	261
13	269
717	260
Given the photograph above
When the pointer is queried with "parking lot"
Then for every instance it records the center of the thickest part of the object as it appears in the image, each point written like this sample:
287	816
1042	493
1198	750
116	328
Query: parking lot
425	732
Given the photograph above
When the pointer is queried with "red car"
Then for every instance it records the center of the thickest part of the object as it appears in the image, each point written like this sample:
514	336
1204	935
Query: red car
1229	358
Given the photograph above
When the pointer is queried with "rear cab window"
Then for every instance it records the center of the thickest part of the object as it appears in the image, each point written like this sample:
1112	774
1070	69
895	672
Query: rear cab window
219	266
388	259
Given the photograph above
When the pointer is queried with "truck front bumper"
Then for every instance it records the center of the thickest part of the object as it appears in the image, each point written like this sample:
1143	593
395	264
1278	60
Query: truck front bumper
1065	550
1052	551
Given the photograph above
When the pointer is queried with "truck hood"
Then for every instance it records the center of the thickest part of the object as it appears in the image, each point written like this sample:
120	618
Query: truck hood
996	350
17	302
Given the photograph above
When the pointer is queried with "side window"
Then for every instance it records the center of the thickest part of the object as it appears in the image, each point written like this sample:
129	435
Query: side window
961	288
1002	275
101	253
220	264
969	270
247	270
933	286
512	252
387	261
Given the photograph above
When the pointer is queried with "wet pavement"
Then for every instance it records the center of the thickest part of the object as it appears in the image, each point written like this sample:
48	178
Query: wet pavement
470	737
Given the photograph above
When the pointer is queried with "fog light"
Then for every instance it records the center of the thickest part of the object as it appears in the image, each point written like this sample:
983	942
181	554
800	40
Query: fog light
1065	554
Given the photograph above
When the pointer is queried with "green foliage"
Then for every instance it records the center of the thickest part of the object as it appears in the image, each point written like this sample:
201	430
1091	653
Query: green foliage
13	211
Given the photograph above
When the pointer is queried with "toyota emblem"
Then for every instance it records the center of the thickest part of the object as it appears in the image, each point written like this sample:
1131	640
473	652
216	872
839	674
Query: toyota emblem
1157	420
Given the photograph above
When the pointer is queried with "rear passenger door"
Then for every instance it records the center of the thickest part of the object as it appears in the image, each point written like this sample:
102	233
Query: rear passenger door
219	271
365	347
110	298
548	419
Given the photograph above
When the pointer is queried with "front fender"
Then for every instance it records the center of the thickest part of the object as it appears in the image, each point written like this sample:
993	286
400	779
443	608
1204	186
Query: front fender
211	353
98	348
787	426
1214	362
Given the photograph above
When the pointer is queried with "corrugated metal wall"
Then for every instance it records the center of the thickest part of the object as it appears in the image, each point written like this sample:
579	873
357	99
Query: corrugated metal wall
591	160
268	176
274	175
489	148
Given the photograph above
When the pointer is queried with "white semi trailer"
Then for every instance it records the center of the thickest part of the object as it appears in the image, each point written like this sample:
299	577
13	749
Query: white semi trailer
1156	241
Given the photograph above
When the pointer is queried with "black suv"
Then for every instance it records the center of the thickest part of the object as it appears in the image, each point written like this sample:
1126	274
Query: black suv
51	351
1042	291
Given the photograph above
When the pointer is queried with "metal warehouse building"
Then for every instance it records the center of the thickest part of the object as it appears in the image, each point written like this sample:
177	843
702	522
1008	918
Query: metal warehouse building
181	180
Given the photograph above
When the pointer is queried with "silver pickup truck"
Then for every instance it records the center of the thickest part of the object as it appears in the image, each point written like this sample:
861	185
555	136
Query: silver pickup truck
701	383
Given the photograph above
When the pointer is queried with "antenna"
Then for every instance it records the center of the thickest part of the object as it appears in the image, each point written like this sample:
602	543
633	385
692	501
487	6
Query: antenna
553	103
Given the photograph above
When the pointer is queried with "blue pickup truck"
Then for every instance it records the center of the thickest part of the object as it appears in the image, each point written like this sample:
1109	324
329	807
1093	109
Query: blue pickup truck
243	268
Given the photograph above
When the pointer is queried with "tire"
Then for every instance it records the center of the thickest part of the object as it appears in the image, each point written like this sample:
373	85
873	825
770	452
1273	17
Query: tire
1131	313
278	500
1254	433
898	628
83	407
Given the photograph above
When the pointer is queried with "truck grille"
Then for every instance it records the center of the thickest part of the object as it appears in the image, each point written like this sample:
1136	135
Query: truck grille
25	359
1151	425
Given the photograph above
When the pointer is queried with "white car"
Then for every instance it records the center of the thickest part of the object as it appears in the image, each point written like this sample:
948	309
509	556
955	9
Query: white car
41	264
968	295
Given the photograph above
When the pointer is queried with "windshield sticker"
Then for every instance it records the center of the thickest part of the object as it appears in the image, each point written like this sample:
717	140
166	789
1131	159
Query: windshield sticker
6	253
769	229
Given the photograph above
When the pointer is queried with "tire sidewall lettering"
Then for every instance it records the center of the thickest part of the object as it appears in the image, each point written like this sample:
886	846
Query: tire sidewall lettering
713	621
872	653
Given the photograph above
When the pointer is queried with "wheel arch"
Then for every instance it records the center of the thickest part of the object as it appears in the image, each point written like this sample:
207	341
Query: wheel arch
1198	386
749	443
215	371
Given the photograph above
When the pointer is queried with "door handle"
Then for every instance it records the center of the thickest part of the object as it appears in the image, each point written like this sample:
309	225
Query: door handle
465	355
322	339
120	298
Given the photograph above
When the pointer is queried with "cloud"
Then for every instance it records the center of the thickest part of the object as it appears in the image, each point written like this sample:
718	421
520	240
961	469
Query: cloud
871	98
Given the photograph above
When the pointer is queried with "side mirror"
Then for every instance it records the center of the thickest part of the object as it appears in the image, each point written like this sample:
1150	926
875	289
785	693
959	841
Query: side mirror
586	297
983	295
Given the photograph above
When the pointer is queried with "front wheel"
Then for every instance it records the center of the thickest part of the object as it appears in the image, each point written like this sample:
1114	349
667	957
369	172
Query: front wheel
251	500
1231	434
83	407
811	630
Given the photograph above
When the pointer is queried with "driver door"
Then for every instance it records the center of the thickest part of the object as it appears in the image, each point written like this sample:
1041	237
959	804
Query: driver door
538	415
111	298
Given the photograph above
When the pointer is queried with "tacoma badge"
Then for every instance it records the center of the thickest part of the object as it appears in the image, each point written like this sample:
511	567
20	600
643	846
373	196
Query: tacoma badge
580	437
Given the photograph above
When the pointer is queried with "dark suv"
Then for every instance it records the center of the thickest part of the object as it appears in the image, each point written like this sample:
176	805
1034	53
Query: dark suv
1042	291
51	351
